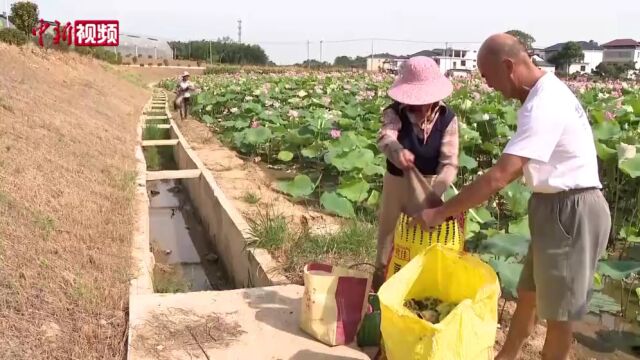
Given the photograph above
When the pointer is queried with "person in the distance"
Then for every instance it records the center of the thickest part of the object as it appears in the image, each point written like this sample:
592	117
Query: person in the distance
183	94
419	131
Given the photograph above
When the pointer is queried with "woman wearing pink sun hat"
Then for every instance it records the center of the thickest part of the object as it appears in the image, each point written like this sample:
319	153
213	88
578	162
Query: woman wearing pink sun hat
419	135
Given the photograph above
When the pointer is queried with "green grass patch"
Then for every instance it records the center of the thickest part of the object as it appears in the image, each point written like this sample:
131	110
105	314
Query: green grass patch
163	121
46	224
159	158
153	132
5	199
85	293
134	78
5	105
251	198
353	243
167	279
126	182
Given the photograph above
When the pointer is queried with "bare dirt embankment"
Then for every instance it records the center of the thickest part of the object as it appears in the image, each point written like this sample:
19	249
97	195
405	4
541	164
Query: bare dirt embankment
67	134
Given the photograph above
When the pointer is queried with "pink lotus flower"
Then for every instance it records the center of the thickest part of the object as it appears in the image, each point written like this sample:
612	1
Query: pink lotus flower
609	115
335	133
255	124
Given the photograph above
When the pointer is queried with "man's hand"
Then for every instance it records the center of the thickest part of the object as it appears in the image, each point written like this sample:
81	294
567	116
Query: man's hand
508	168
428	218
406	159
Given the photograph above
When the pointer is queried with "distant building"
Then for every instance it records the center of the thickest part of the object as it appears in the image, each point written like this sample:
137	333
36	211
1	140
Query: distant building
450	59
542	64
427	53
622	51
456	58
458	73
593	56
537	51
385	62
146	47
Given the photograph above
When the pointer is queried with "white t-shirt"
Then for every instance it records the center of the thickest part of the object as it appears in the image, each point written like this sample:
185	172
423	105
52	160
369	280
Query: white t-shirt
554	133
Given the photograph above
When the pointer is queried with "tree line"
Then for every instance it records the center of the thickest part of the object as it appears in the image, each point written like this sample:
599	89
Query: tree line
222	51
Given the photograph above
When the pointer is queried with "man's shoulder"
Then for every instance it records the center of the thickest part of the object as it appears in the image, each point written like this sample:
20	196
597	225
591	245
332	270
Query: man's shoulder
552	95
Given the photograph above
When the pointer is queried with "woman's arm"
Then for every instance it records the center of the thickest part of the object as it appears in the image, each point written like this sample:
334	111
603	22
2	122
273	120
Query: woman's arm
388	136
448	167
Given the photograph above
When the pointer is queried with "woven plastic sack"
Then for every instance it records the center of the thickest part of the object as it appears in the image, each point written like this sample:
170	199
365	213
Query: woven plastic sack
468	332
409	241
334	302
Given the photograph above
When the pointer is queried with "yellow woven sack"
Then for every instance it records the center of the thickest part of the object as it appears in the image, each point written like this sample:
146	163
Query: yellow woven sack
468	332
408	241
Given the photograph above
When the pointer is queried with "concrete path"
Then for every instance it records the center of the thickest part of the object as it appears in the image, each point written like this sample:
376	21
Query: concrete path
267	318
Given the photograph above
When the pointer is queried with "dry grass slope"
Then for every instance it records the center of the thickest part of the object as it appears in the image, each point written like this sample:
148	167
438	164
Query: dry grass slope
67	133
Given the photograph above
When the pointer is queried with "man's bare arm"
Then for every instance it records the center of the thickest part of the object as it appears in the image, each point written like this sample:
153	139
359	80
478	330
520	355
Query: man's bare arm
507	169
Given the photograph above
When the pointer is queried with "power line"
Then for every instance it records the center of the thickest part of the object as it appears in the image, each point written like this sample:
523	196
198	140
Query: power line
299	42
281	42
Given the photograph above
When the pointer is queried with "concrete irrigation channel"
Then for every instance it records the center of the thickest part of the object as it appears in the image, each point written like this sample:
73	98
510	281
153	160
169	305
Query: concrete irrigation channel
233	302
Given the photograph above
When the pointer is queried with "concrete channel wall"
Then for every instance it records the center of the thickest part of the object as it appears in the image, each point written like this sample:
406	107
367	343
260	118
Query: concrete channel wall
227	229
225	226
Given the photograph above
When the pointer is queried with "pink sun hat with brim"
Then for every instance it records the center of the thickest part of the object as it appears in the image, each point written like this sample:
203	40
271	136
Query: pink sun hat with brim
420	82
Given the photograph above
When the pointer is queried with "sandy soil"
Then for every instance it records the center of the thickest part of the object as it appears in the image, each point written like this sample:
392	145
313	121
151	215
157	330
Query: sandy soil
67	126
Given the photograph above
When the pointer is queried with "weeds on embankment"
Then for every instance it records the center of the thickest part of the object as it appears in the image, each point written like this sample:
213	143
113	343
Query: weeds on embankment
294	245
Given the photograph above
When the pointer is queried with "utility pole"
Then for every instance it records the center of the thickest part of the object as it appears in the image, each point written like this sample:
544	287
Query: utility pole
371	55
446	58
189	50
308	60
320	50
210	57
239	31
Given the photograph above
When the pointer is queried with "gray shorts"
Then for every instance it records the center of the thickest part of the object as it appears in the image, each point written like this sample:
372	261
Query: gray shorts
569	233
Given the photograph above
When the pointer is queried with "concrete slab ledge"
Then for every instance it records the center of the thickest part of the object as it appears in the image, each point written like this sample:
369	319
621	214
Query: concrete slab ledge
160	142
159	126
173	174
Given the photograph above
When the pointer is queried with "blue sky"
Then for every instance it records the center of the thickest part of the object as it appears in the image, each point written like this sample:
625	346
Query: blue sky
283	27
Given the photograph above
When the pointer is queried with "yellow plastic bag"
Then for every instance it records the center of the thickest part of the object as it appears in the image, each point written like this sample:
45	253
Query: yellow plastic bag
334	302
409	241
468	332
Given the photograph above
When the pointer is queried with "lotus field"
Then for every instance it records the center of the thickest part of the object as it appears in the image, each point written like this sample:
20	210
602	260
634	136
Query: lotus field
322	127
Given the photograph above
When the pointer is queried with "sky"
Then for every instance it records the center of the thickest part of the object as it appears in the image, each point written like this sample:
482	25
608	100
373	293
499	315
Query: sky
283	27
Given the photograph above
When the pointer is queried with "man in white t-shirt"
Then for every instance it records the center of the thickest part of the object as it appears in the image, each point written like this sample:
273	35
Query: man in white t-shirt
569	218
